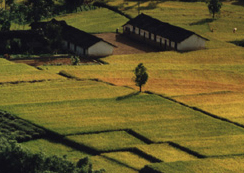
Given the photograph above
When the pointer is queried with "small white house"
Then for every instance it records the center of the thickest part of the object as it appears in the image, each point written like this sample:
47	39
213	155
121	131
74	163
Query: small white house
163	35
79	42
82	43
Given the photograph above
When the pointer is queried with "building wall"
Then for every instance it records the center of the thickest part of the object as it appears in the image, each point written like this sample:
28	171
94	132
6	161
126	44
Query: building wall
79	50
65	44
72	47
194	42
128	26
100	49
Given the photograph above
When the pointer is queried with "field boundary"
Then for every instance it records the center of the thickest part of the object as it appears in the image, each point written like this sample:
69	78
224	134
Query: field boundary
198	110
129	131
31	81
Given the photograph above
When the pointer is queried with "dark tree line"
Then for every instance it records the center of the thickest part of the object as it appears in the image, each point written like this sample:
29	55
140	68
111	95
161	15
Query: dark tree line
34	10
15	159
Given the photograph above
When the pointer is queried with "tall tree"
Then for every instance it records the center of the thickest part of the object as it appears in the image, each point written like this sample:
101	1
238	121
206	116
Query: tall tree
141	75
214	6
39	9
73	4
5	20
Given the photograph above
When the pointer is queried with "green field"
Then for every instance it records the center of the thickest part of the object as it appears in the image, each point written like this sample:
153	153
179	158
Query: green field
102	109
96	21
231	165
11	72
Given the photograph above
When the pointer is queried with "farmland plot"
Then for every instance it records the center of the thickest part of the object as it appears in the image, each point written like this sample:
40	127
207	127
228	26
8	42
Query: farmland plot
232	165
11	72
151	116
207	79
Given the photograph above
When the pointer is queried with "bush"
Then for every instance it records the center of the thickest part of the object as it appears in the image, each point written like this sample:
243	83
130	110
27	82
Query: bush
14	159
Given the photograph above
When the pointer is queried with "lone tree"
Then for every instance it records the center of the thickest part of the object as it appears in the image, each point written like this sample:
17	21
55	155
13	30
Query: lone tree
141	75
214	6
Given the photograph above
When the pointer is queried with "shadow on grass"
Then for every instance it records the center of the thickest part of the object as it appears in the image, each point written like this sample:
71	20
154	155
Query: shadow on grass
202	22
238	43
128	96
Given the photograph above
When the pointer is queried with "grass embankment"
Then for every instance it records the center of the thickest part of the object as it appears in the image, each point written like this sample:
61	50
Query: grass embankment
11	72
208	79
70	109
96	21
232	164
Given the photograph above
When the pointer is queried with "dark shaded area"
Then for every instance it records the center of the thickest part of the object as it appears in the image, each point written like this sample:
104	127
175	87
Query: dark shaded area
127	96
238	43
202	22
14	128
239	3
135	43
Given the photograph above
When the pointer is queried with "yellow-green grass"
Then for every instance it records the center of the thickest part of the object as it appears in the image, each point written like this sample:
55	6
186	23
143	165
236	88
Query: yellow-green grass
107	141
11	72
51	148
224	145
228	105
99	162
128	158
166	153
95	21
230	165
193	16
172	73
57	92
149	115
191	77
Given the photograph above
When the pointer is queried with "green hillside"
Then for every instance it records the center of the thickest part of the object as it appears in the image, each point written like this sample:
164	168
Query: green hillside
189	117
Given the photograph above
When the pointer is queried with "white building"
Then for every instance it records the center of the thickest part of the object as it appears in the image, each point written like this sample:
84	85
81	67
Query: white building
79	42
163	35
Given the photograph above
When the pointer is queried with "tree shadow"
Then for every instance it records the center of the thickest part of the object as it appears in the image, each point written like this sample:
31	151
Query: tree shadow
128	96
238	43
202	22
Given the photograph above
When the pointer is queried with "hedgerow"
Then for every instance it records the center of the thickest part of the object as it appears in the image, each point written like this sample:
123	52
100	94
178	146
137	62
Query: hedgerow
14	128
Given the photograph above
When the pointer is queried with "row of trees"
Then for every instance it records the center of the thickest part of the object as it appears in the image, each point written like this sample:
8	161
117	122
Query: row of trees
15	159
34	10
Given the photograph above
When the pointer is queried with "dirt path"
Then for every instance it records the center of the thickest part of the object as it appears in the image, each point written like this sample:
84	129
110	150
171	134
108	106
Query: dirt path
125	45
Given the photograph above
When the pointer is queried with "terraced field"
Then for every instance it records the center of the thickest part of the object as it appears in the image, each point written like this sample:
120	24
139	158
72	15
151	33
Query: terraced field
190	118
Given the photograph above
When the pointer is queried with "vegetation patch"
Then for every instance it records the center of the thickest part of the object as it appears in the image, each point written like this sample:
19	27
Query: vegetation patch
232	164
128	158
167	152
11	72
17	129
96	21
224	145
108	141
52	148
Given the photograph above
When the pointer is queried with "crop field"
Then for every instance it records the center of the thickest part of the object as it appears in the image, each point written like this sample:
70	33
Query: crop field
113	120
96	21
52	148
232	164
209	79
189	119
11	72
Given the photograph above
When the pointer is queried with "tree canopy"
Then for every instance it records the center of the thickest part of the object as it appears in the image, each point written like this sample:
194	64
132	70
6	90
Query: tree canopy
214	6
141	75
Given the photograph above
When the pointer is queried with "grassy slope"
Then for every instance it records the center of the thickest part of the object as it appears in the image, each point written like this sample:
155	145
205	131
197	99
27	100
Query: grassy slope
11	72
230	165
95	21
73	110
188	77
